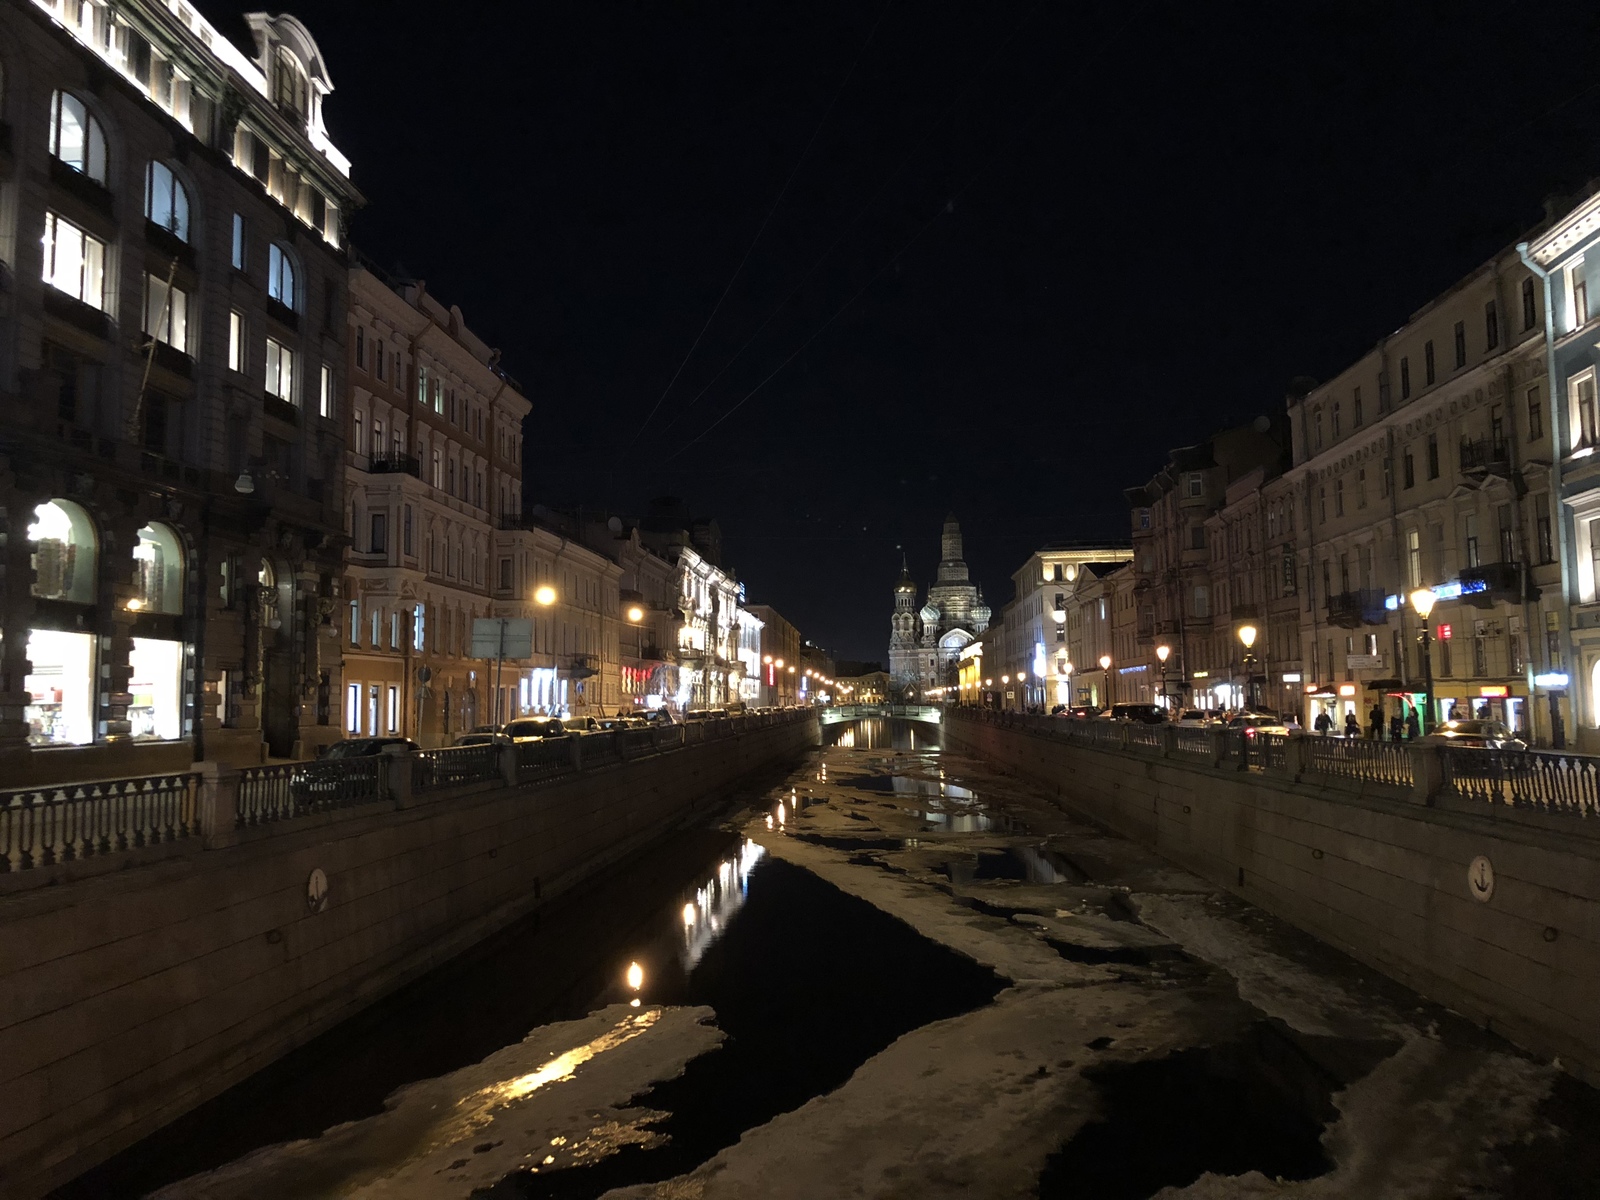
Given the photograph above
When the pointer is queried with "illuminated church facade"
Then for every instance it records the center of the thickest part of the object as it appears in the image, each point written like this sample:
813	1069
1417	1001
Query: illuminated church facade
925	643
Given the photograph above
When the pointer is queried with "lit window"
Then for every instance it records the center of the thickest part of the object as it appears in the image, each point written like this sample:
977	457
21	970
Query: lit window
280	276
325	392
289	87
166	202
238	356
74	262
166	313
238	242
76	137
280	371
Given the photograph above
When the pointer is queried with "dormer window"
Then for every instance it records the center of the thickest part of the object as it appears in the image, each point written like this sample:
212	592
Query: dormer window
289	85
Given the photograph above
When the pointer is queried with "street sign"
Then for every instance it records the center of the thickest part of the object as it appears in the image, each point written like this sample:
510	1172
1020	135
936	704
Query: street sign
502	637
1363	662
1445	633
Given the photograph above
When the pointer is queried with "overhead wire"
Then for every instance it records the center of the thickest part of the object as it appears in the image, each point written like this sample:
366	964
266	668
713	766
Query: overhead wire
946	208
765	221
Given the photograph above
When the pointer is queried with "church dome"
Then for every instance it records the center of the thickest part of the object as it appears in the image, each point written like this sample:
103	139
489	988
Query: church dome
930	613
905	585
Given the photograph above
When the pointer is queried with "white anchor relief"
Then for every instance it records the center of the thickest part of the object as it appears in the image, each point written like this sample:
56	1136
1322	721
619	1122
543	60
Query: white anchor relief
1480	878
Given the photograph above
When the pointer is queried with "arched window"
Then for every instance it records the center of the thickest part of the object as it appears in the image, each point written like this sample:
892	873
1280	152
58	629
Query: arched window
289	85
158	571
63	552
76	137
280	276
166	202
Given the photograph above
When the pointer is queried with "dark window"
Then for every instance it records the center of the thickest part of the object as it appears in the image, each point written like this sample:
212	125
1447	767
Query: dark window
1535	416
380	533
1335	418
1491	326
1288	574
1427	362
1355	409
361	347
1433	456
1409	471
1497	428
1580	299
378	357
1197	537
1405	379
1461	344
1547	552
1530	306
505	574
405	530
155	422
1508	546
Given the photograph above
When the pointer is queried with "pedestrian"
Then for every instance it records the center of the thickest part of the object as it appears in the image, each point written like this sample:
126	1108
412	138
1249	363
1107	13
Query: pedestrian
1292	724
1455	711
1413	724
1323	724
1352	727
1397	726
1375	722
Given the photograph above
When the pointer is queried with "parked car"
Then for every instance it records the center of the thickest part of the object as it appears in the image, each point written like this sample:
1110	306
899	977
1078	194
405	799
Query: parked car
581	724
531	729
1196	718
658	716
1144	714
610	724
493	737
326	776
1082	712
1258	723
1477	734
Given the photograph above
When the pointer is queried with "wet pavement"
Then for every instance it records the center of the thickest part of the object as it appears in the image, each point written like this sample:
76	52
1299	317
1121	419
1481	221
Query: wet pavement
899	974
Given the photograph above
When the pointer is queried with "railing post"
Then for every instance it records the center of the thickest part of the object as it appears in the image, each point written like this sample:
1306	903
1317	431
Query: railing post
1219	746
1427	773
401	769
219	805
508	764
575	747
1169	741
1295	757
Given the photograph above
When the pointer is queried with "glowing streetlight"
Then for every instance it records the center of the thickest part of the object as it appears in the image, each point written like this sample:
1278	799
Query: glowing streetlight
1422	601
544	594
1105	668
635	613
635	979
1162	653
1247	635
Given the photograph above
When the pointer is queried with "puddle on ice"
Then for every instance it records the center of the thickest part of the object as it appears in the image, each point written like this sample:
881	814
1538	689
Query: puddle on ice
1022	864
1256	1104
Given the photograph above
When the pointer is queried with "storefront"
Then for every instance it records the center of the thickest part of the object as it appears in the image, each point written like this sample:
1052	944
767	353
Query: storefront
156	686
60	688
1503	702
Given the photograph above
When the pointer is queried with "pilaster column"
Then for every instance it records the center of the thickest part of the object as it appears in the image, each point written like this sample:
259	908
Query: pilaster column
16	617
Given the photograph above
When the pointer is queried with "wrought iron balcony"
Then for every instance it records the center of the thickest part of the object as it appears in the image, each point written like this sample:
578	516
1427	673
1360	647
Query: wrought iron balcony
1489	584
387	464
1485	456
1351	610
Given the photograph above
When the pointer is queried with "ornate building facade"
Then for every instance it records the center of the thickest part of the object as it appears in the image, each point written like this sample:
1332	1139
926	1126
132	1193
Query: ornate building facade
924	644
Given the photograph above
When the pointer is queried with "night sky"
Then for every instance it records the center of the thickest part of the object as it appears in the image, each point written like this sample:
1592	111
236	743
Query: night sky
1020	251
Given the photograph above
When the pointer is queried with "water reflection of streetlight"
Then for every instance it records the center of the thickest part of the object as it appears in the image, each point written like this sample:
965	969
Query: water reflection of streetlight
688	914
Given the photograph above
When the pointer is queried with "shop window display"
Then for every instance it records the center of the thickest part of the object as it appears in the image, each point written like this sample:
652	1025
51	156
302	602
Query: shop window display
156	684
60	685
63	552
158	571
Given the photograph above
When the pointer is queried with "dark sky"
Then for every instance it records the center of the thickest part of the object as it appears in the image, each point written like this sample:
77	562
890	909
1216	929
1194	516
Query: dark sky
1074	236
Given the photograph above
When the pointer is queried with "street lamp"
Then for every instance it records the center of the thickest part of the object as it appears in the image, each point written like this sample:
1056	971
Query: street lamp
1247	635
1105	667
1422	600
1162	653
544	594
635	613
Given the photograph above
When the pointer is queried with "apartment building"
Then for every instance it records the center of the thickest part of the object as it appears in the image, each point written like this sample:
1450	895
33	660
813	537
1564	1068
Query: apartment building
780	657
172	329
433	429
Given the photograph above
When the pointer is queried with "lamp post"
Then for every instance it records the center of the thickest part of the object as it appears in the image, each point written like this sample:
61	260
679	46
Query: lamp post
1162	652
1247	635
1422	600
1105	668
1022	691
1066	677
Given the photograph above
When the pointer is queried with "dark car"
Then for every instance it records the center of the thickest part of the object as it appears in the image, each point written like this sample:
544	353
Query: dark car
528	729
476	738
1083	712
1144	714
328	779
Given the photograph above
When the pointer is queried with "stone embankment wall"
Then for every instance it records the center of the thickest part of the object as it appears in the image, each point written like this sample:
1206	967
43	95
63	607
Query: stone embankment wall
129	996
1385	869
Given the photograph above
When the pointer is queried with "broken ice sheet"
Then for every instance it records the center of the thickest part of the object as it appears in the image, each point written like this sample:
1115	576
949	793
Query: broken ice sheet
523	1105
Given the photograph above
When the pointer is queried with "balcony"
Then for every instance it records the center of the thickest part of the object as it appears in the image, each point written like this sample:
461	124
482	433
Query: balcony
394	464
1489	584
279	409
1486	456
76	313
515	520
1351	610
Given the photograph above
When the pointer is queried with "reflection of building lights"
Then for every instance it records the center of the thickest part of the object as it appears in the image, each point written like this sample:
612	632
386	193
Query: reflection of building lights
769	821
688	914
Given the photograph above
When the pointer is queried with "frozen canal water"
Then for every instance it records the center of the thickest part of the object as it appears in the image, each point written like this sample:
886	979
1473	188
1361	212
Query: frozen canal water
897	974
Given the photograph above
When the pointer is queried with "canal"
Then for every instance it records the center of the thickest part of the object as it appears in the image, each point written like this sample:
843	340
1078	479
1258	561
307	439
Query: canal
895	972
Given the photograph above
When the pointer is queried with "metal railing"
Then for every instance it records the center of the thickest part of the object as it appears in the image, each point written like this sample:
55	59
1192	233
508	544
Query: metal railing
544	759
600	750
1366	760
286	790
1146	735
455	766
43	826
1192	739
1544	781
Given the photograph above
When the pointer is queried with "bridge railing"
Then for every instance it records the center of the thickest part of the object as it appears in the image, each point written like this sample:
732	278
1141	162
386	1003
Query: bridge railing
58	823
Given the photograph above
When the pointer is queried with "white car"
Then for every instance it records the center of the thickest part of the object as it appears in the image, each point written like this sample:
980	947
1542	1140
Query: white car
1255	724
1196	718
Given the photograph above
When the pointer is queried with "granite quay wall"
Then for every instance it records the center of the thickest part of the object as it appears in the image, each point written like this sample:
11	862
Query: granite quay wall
166	938
1471	876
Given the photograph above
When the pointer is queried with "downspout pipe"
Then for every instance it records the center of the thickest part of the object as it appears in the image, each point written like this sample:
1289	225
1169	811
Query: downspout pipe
1557	424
